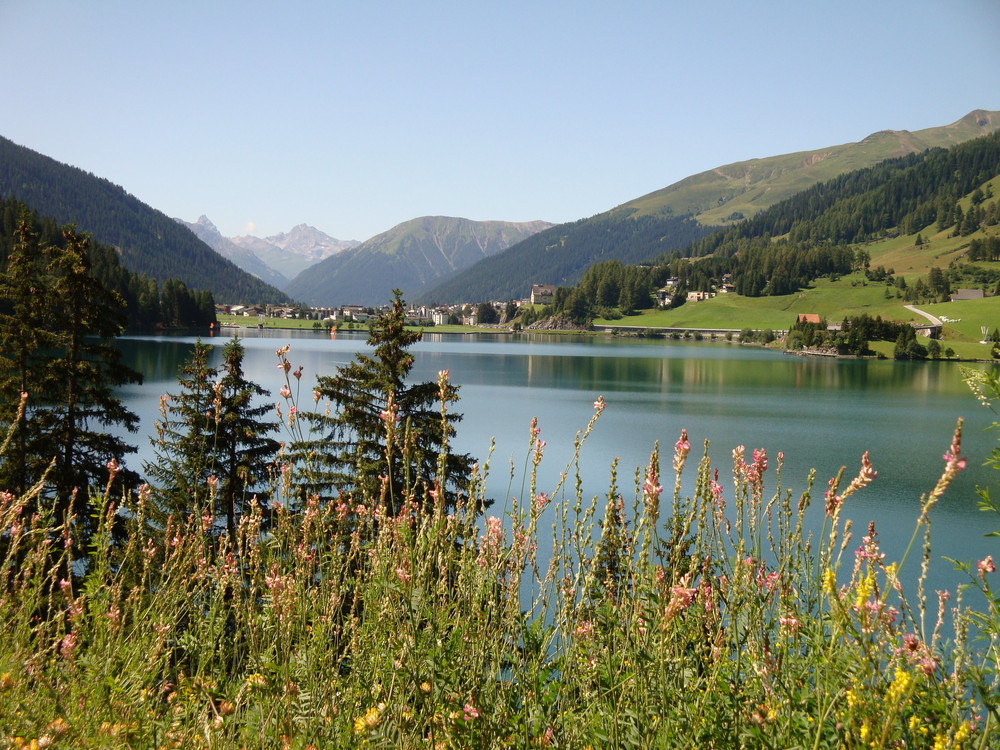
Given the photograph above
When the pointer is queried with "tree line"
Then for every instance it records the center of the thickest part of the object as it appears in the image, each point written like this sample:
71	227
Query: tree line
147	241
149	305
216	457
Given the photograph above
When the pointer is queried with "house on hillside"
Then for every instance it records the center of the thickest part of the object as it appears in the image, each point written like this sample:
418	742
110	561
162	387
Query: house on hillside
699	296
542	294
964	294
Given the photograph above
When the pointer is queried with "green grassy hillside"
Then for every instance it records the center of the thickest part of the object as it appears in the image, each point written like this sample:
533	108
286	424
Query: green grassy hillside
747	187
833	300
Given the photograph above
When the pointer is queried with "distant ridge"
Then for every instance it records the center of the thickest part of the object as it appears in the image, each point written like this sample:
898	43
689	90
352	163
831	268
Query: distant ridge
725	194
411	256
147	241
646	227
208	233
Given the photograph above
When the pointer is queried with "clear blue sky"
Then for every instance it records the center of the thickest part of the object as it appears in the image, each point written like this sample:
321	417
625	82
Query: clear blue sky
355	116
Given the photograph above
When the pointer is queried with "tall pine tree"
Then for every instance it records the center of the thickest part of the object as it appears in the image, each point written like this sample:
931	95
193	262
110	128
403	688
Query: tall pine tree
382	437
213	446
57	330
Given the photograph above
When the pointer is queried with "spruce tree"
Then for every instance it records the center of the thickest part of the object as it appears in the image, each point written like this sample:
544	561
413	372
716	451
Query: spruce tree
381	438
183	440
213	446
87	367
244	451
24	378
56	334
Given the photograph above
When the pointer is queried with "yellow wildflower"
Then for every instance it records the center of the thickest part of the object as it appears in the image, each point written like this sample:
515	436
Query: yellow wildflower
866	732
865	587
961	734
371	719
900	684
829	582
852	698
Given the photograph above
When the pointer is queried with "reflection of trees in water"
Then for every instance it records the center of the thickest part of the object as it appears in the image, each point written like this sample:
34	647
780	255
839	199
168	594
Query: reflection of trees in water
158	360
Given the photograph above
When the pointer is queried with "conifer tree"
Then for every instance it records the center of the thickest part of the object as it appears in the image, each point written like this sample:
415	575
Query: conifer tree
183	440
244	451
87	368
23	375
56	335
213	449
382	437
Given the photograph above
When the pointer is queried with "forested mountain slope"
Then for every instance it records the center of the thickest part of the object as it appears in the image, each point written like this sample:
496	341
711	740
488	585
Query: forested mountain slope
148	241
652	225
149	305
560	255
902	196
828	230
410	257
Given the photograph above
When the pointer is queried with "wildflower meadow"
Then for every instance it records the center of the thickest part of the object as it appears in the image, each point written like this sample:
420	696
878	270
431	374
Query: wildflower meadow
719	619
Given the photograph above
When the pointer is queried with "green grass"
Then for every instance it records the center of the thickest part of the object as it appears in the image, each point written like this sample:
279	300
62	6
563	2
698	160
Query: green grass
848	296
832	300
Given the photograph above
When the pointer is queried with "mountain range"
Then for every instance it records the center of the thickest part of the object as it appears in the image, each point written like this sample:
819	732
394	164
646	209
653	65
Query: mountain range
148	242
644	228
411	257
276	259
436	258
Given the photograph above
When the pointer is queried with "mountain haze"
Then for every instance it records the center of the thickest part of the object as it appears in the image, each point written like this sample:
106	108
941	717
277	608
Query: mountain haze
410	256
147	241
246	259
290	253
276	259
647	227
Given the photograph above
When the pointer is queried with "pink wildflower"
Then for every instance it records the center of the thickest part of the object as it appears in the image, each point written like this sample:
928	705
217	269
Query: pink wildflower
285	391
790	624
599	404
986	566
67	645
469	712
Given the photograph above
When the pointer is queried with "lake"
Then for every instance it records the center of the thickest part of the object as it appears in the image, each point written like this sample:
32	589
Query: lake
821	413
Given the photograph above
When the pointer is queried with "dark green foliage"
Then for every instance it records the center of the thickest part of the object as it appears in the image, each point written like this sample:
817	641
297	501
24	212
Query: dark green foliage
608	290
817	226
562	254
24	334
61	355
487	314
213	446
985	249
180	307
184	435
149	242
907	346
243	450
383	437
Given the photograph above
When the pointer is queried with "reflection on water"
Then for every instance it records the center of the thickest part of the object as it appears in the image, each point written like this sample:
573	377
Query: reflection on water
822	413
